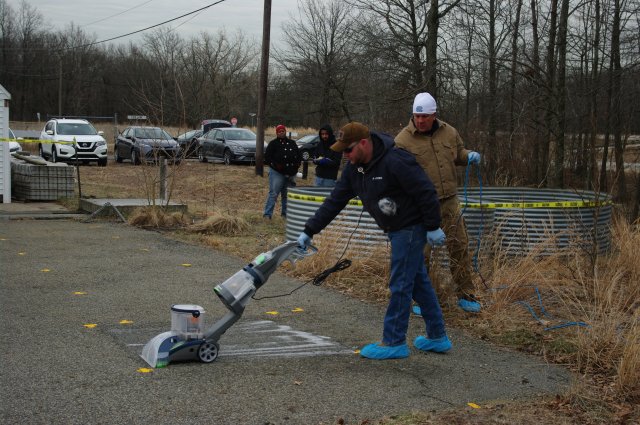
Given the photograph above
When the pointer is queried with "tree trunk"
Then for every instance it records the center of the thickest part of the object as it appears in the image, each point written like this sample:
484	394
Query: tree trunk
593	113
550	115
513	76
539	160
433	21
558	172
616	71
490	155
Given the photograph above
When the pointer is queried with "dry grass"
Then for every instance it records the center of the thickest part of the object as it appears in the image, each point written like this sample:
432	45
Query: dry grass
220	223
155	216
564	292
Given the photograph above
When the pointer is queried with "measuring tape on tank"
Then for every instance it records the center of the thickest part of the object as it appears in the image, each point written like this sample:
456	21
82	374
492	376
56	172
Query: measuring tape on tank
490	205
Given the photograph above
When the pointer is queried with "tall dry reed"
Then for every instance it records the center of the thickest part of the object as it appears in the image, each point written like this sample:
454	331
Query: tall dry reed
566	300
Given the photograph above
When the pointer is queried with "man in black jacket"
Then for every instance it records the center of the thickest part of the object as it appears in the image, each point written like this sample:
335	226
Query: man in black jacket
327	160
283	158
399	196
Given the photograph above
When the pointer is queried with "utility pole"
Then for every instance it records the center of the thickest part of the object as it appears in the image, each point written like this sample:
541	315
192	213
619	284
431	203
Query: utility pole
262	87
59	85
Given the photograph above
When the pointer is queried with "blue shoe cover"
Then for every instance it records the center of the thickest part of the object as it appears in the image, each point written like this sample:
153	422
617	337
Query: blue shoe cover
416	310
383	352
437	345
469	306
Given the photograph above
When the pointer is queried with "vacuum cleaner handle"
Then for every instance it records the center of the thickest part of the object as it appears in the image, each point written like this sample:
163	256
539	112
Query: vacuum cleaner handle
267	263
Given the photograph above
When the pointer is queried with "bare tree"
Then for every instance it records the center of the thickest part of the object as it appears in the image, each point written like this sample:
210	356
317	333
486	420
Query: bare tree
320	52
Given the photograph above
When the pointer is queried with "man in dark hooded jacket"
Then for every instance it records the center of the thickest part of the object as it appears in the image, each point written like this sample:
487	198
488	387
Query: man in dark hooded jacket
399	196
327	161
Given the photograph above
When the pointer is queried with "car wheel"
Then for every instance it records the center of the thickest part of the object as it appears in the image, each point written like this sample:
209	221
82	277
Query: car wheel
116	155
226	157
54	155
40	151
305	155
102	162
134	157
201	156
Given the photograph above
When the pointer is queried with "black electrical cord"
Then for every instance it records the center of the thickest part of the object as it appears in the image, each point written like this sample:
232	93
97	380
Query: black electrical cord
321	277
318	279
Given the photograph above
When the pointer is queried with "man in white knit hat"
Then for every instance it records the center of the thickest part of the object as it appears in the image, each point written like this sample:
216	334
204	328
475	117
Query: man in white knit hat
438	148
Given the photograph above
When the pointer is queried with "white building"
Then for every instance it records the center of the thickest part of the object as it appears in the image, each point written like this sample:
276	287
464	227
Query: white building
5	157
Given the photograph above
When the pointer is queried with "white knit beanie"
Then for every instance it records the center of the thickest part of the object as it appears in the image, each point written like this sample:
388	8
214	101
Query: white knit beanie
424	103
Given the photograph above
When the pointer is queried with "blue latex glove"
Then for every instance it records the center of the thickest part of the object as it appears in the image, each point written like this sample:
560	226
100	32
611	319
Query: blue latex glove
304	240
323	161
435	237
474	157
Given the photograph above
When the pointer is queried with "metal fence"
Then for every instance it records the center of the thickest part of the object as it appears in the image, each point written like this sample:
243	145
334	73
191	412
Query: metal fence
515	219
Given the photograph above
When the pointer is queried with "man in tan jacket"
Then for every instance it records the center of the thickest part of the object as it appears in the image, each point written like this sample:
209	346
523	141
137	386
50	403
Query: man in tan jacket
438	148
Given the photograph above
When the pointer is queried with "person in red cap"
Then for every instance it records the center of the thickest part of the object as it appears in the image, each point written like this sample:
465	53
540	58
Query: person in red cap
283	158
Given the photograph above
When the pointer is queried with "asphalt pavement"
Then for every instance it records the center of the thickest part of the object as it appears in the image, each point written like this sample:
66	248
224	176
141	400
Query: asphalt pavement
79	299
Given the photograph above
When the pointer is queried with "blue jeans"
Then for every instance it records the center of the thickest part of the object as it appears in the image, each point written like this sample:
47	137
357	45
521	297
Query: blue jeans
322	182
278	184
409	280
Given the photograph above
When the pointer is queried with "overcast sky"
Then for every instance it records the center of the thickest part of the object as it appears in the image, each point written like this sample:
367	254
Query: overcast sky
133	15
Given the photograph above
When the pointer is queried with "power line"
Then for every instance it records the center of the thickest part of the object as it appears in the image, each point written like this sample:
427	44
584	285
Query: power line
144	29
117	14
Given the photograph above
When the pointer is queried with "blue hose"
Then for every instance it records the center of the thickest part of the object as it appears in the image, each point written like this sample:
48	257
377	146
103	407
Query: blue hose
477	252
544	312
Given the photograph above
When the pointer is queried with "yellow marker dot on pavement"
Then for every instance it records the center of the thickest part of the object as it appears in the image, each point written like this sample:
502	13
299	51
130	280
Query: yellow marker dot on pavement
273	313
185	265
45	270
297	310
475	406
125	322
80	293
4	239
22	253
144	249
90	325
356	351
145	370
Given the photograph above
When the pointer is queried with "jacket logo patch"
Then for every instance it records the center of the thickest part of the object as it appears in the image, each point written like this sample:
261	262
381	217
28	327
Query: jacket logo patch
377	178
387	206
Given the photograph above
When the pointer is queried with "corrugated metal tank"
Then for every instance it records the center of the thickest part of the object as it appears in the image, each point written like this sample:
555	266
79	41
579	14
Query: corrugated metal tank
520	220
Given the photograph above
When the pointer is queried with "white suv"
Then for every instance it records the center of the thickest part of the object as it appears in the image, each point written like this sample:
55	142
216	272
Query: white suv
89	144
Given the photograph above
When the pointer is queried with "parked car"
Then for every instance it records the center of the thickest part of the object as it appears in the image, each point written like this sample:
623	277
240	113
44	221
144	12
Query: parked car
189	143
82	141
139	144
307	146
230	144
210	124
14	146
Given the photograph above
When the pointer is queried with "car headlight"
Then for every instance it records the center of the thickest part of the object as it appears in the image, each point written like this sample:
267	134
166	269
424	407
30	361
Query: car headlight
101	143
237	149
